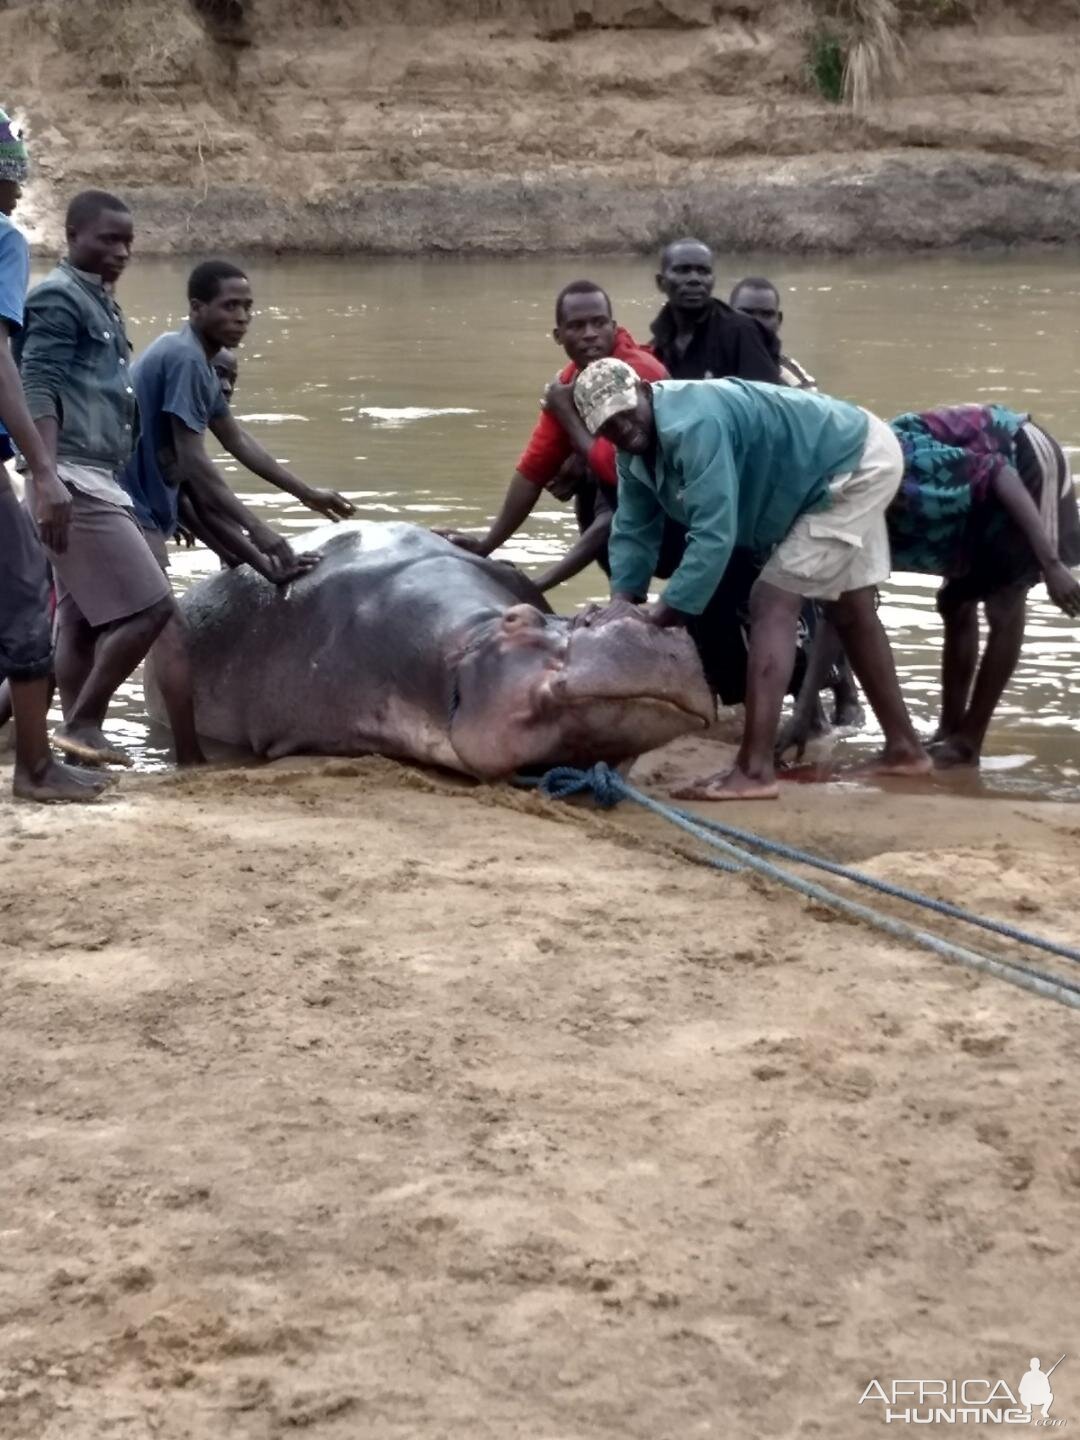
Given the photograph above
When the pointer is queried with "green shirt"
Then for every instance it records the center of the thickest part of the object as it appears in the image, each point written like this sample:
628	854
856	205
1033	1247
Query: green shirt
737	463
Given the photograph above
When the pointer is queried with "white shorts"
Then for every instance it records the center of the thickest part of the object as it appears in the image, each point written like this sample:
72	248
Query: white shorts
846	546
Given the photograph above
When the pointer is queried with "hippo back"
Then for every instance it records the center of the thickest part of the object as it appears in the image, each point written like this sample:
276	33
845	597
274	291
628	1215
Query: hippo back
353	658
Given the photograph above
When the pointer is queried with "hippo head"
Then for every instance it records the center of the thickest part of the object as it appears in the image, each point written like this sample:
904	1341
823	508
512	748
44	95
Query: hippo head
531	692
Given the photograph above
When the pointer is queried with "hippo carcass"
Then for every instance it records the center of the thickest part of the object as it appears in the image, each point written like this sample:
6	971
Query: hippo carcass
399	643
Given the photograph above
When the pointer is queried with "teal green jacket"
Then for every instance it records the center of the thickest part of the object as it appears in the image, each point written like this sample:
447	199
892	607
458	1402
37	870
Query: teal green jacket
737	462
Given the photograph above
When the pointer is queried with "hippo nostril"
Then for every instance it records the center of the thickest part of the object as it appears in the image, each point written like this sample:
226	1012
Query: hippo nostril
523	617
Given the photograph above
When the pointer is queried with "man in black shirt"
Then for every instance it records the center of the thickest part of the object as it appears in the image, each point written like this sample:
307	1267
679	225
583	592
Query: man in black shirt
698	337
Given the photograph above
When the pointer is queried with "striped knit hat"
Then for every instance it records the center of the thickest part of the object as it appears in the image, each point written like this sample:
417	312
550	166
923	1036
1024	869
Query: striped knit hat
14	162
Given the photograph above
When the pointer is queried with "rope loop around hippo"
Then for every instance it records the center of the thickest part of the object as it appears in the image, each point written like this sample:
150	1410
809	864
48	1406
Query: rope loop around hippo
608	788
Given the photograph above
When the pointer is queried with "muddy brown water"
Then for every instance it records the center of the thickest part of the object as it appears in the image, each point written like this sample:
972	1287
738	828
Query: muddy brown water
411	386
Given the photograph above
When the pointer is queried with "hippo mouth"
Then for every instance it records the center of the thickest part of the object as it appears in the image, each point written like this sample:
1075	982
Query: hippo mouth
559	698
632	664
534	692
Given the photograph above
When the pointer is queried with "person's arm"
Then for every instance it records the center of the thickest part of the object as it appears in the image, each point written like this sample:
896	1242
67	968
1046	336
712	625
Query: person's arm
254	457
709	497
545	454
637	532
518	504
583	551
636	535
218	535
228	541
559	404
50	503
274	556
1061	584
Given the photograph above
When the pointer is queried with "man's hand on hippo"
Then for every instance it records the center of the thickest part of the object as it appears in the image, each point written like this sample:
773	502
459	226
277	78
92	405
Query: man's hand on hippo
329	503
664	616
621	608
301	564
273	545
283	564
474	544
280	572
624	607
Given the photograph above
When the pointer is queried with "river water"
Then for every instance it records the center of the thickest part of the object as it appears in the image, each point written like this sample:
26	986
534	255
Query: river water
412	385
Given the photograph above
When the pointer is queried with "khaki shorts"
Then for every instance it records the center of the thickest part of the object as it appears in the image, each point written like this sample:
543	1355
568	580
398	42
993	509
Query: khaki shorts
108	571
828	552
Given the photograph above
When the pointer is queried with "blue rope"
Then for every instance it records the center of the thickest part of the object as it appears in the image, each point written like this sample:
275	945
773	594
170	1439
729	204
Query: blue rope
886	887
609	788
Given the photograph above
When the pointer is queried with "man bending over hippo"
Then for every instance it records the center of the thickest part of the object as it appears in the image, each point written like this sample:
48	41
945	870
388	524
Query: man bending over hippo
802	478
987	503
561	455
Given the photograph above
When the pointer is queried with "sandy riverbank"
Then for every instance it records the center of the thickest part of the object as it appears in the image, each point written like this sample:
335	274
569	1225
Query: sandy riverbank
344	1099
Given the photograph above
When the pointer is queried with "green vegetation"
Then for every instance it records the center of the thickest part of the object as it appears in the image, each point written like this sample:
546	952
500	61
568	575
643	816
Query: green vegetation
856	49
826	64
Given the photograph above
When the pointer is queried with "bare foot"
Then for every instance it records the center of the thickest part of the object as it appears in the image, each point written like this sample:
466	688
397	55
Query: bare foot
901	762
87	744
728	785
952	753
58	785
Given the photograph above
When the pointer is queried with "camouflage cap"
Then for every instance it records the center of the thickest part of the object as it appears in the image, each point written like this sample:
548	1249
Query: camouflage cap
603	389
14	163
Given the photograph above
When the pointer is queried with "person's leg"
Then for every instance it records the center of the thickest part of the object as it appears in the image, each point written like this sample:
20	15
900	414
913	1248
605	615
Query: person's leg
26	660
109	577
773	617
808	718
959	657
848	713
1005	615
172	670
74	658
863	636
5	703
38	775
119	649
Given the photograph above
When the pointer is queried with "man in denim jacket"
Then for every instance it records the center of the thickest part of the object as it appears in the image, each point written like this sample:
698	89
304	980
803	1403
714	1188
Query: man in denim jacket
112	597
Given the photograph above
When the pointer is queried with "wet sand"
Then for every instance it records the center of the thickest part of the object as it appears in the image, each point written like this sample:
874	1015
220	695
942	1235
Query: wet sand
348	1100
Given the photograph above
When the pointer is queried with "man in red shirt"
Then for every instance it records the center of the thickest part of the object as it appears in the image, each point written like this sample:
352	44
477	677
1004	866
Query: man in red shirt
585	327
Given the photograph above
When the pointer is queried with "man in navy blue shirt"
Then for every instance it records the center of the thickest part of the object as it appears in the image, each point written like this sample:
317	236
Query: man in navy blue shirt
180	398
